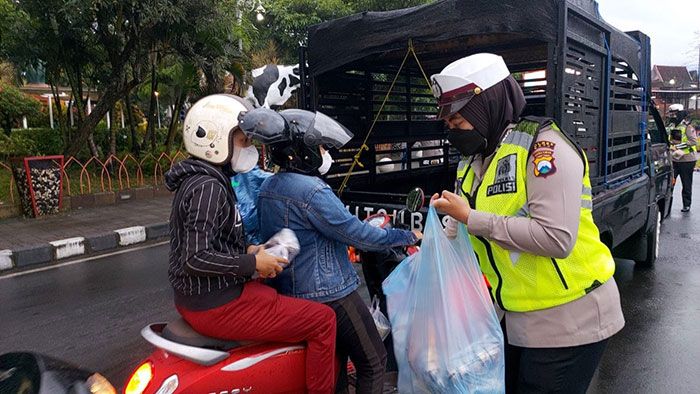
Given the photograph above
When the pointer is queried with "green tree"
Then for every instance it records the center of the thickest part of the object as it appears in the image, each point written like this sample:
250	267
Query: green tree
182	80
286	21
14	105
109	45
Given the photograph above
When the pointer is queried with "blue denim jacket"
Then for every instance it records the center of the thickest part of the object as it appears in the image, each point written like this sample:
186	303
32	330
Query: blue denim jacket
305	204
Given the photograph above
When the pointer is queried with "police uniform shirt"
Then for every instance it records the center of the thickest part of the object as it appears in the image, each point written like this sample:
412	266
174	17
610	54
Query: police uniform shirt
550	230
692	141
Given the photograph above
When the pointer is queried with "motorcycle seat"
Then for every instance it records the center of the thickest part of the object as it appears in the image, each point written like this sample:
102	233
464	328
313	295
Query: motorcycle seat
180	332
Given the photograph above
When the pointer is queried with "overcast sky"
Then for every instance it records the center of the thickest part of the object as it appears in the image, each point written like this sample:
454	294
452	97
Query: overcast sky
673	26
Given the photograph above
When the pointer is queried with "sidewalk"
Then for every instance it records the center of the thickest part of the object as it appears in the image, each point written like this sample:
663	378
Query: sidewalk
26	242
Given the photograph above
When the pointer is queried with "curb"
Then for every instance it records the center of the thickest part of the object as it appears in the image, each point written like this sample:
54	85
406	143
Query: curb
61	249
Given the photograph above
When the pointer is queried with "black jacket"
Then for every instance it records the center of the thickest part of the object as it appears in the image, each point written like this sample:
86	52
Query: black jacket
208	264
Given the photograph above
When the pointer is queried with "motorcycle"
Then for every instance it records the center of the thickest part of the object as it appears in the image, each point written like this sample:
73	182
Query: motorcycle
33	373
186	361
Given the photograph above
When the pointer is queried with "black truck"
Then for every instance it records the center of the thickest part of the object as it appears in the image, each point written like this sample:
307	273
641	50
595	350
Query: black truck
593	79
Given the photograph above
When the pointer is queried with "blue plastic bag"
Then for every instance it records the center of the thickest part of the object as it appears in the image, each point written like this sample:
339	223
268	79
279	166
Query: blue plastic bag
247	187
447	337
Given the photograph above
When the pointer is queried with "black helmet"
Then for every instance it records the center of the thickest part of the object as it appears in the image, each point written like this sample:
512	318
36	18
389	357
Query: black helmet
294	135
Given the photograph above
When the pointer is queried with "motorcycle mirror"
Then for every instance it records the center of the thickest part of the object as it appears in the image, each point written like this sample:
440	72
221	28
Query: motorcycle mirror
415	200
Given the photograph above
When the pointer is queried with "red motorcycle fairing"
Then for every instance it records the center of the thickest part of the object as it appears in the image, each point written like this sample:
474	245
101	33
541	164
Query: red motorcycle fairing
256	368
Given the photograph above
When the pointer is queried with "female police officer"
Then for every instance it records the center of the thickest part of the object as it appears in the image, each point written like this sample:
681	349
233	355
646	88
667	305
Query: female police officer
524	192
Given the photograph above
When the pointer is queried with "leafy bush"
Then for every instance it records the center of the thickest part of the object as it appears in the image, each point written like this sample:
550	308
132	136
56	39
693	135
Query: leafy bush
16	145
47	141
14	105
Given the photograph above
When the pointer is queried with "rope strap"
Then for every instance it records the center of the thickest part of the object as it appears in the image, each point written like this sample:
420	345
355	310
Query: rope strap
364	147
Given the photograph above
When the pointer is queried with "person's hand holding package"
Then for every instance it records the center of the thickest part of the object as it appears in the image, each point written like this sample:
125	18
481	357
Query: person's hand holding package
455	207
267	265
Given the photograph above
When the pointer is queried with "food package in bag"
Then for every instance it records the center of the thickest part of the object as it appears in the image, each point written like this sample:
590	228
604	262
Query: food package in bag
447	337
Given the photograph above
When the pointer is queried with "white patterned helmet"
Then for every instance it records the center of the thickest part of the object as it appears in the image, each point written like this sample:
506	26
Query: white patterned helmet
209	125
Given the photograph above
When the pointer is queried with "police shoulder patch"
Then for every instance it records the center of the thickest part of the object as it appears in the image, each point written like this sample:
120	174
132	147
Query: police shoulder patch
543	158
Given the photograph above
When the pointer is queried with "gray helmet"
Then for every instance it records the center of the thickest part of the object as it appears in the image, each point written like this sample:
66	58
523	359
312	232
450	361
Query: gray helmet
294	135
313	128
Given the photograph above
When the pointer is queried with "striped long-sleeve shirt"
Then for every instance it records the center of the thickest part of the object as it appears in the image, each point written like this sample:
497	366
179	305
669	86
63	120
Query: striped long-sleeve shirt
208	264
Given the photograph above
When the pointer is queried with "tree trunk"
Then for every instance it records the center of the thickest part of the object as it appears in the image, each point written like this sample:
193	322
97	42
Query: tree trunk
112	133
91	144
213	80
77	92
173	122
135	149
59	110
150	128
111	94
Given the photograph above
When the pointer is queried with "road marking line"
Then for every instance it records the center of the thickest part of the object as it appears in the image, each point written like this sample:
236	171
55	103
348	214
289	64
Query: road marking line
51	267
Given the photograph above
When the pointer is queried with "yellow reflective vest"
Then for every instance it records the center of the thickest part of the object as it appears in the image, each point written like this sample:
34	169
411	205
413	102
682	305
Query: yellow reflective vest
687	149
523	282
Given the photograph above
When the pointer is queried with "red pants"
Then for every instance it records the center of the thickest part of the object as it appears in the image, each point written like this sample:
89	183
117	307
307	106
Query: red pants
270	317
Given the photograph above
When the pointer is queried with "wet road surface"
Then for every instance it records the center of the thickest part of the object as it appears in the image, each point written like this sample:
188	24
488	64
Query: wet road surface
91	313
658	351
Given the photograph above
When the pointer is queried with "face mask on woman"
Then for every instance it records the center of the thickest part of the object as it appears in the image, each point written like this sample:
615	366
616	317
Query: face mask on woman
244	159
467	142
327	163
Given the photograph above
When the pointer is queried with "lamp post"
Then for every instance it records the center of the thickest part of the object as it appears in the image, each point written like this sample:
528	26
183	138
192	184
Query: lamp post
157	108
252	5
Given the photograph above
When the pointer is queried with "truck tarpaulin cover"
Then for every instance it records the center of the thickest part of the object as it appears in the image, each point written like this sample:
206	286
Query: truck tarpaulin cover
343	41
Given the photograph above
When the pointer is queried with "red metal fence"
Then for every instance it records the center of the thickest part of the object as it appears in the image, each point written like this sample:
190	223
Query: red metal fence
97	175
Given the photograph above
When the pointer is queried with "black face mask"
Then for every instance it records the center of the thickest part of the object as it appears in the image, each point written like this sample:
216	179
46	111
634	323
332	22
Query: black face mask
467	142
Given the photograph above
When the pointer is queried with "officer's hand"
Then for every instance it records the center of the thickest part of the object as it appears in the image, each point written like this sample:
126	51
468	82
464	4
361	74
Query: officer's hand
451	204
253	249
677	154
268	265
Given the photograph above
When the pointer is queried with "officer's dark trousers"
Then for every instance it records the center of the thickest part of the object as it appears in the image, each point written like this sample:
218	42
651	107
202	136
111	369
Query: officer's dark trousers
685	170
566	370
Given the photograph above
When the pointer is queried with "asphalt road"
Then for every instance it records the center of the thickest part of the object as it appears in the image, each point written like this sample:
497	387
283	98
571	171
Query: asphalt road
659	348
90	313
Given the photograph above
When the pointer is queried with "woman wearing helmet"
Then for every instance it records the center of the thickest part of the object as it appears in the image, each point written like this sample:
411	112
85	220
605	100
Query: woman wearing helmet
524	192
210	270
297	198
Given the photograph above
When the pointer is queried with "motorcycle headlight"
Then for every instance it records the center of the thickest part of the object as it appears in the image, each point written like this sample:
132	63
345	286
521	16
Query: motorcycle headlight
97	384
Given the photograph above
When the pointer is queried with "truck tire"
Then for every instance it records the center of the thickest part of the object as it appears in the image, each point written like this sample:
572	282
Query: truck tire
652	242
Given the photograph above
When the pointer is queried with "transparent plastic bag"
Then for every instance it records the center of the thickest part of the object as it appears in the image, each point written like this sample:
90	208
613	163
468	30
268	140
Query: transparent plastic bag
283	244
447	337
382	323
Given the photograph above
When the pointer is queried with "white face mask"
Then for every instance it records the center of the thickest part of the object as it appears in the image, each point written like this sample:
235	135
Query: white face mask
327	163
244	159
